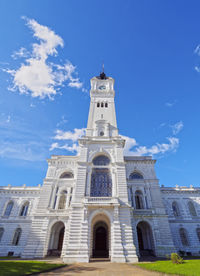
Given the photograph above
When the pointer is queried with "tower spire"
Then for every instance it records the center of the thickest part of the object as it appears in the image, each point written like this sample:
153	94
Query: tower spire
102	75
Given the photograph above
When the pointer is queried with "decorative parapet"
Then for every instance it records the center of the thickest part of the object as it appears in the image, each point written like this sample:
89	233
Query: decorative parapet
62	160
139	159
20	189
180	189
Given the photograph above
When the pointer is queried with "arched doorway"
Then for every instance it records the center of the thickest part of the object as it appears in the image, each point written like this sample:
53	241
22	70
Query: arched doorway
56	239
145	239
100	240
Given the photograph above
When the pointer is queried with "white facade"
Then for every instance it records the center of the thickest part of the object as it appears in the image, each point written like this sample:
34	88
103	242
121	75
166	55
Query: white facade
99	203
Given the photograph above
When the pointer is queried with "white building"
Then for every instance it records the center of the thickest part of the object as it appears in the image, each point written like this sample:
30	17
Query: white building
99	203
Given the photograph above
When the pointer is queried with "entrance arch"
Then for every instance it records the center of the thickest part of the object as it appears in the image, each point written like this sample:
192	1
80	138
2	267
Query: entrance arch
56	239
145	239
100	242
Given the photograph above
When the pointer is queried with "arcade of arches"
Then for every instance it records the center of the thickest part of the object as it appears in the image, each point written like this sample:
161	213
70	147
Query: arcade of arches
100	238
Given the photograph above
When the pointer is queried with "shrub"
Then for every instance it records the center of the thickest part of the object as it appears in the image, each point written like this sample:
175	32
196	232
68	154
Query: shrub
168	257
176	259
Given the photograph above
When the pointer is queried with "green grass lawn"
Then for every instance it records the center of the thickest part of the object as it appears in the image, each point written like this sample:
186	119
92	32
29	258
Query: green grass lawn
16	268
189	267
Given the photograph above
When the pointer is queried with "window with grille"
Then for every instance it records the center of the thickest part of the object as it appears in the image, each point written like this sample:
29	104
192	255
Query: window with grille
24	210
175	209
192	209
8	209
101	183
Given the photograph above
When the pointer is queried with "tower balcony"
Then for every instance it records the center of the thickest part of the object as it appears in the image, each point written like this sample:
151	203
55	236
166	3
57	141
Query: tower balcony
143	212
99	201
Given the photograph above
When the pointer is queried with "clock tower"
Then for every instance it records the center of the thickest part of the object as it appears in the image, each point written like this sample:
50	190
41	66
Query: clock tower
101	212
102	117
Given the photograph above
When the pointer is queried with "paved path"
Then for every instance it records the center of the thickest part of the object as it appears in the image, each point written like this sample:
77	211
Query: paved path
101	269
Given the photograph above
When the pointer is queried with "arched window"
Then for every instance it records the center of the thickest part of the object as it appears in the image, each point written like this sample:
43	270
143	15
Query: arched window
8	209
175	209
192	209
101	183
106	104
198	233
102	104
62	201
101	160
139	200
67	175
98	104
24	209
1	233
135	175
183	236
17	236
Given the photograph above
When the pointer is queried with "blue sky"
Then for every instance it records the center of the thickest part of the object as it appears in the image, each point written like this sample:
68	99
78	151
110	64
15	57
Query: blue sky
49	51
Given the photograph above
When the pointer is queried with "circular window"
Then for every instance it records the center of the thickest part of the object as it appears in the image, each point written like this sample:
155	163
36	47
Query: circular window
101	133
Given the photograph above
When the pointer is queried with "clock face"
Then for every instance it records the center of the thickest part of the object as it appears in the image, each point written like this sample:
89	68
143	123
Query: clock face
102	87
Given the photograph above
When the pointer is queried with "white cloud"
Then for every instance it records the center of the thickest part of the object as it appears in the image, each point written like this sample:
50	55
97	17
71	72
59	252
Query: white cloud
22	52
37	75
22	151
170	104
197	50
131	146
176	128
70	137
130	143
62	121
157	148
73	148
8	119
162	125
197	69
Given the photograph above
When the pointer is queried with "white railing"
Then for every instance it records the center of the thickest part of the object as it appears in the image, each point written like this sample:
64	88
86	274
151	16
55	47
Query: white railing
100	200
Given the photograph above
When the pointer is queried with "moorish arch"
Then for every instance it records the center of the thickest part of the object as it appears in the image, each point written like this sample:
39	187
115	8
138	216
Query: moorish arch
145	239
56	239
100	235
104	152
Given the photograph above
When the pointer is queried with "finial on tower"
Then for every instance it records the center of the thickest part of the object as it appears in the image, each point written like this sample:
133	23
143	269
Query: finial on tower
102	75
